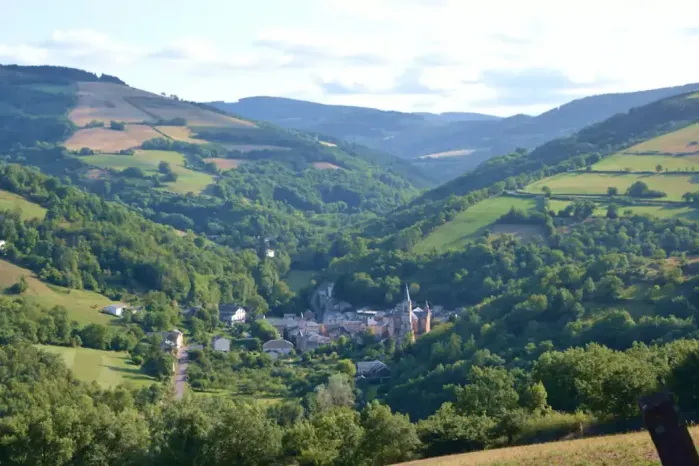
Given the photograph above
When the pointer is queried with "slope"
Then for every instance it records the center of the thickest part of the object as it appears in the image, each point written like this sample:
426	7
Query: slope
415	135
240	183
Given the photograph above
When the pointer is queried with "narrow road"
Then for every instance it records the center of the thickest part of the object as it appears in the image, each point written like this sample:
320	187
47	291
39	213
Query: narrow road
181	372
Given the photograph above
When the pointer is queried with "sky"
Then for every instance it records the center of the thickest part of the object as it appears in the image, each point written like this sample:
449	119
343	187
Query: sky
497	56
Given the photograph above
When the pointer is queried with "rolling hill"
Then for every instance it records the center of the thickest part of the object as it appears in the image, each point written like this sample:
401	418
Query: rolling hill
654	144
415	135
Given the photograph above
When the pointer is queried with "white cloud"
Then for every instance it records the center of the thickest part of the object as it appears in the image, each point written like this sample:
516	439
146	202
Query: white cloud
91	46
439	55
23	54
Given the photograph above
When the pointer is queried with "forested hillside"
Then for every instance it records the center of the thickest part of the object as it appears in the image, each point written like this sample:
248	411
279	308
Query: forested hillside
239	183
445	146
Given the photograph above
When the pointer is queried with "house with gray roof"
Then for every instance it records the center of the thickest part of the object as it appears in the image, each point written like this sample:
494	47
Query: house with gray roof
221	344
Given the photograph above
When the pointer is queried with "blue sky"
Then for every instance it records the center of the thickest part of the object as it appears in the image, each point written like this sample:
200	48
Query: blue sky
499	56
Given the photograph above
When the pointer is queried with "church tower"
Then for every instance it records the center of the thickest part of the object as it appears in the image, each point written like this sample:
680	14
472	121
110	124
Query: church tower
408	320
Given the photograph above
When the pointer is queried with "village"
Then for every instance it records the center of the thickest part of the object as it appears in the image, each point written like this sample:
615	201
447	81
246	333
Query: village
329	320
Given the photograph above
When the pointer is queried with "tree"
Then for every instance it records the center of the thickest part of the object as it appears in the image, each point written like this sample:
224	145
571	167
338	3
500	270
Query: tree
263	330
546	190
243	436
613	211
346	366
612	191
165	168
658	168
19	287
490	392
338	392
389	438
448	432
117	125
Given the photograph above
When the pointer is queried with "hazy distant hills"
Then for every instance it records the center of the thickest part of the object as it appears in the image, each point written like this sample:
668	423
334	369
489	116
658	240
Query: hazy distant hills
460	140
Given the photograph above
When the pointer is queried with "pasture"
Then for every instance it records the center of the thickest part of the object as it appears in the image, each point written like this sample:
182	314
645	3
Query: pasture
108	368
167	108
28	209
647	163
82	306
226	164
105	102
626	449
659	211
682	141
179	133
450	153
471	222
148	161
108	140
326	166
597	183
245	148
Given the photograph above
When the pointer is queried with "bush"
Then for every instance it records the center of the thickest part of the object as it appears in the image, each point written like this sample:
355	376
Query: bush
117	125
19	287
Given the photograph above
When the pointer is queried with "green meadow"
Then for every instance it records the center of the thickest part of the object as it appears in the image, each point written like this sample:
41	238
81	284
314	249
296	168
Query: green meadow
148	161
12	201
108	368
469	223
647	163
597	183
82	306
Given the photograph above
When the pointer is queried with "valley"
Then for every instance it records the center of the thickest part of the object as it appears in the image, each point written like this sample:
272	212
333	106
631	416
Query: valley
318	288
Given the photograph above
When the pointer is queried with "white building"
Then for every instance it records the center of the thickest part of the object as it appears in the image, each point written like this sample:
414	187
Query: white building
3	244
115	309
232	314
270	253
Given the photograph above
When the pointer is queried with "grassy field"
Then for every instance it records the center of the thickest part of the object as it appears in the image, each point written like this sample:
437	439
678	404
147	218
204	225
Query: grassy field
451	153
470	223
148	160
108	140
325	166
12	201
299	279
245	148
597	183
685	140
659	211
635	163
626	449
180	133
83	306
108	101
107	368
105	102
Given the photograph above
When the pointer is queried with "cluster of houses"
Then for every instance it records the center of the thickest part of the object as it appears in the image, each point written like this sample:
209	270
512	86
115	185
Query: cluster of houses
336	319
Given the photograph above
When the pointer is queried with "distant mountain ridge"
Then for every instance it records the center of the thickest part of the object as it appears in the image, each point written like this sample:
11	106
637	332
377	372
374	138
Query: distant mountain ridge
412	135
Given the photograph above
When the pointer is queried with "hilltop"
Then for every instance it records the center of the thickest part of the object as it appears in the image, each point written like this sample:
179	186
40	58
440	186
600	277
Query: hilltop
238	182
449	144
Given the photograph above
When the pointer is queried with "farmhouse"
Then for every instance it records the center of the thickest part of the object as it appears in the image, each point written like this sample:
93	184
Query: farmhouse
275	348
172	341
115	309
221	344
231	314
